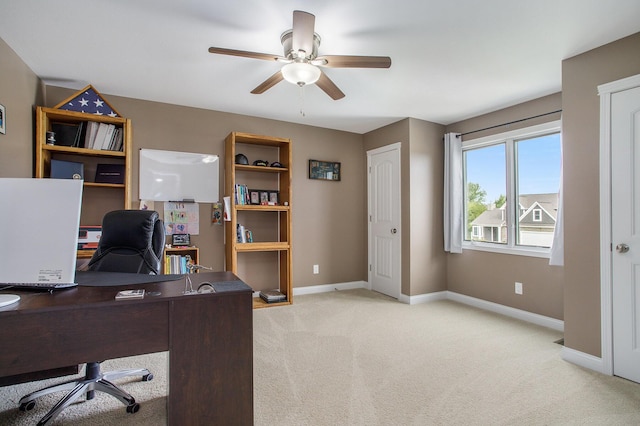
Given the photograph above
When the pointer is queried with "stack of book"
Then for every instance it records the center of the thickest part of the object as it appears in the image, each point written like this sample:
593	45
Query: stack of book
243	234
103	136
242	195
176	264
272	296
89	134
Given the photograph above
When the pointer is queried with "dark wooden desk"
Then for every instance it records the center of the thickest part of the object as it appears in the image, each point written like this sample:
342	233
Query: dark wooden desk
209	337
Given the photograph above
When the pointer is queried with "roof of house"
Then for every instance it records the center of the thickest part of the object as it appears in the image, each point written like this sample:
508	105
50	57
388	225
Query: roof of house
528	203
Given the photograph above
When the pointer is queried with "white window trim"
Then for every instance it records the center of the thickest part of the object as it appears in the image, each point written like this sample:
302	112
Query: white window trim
526	133
537	215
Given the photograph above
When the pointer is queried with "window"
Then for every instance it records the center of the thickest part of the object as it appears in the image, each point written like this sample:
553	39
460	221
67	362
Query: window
537	215
511	184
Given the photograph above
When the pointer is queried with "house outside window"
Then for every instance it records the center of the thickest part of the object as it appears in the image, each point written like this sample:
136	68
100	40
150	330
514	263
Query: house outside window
511	183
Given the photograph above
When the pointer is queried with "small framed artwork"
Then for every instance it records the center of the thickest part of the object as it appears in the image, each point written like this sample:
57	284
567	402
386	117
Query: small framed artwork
324	170
274	197
254	196
3	120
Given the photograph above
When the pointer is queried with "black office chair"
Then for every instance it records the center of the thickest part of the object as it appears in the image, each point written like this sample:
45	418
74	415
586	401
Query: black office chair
131	241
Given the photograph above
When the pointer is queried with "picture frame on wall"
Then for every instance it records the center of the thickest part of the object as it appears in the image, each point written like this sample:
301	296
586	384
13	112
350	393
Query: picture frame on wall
3	120
325	170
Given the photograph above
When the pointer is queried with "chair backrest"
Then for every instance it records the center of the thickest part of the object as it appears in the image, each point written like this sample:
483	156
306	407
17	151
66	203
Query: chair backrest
131	241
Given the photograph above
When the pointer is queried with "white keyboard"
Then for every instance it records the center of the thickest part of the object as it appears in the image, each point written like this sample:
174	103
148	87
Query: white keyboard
38	286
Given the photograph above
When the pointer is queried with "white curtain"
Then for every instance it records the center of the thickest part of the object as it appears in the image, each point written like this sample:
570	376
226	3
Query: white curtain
453	185
556	257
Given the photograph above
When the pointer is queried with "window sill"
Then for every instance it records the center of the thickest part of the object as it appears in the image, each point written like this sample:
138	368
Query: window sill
518	251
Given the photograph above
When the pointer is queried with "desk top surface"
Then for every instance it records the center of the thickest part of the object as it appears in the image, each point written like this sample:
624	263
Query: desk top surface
223	282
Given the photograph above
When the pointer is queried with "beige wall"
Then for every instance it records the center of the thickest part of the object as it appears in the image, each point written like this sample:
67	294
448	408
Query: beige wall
20	90
491	276
423	260
426	198
581	135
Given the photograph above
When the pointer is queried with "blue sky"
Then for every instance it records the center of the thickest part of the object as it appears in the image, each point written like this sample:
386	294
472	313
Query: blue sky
538	172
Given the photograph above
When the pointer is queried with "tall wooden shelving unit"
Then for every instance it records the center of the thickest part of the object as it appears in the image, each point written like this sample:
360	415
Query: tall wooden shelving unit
97	198
278	241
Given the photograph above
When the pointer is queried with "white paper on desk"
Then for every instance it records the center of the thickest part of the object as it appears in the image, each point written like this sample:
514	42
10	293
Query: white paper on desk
227	209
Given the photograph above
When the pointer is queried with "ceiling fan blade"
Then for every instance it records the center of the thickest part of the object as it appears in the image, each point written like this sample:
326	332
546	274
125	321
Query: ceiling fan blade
245	54
268	83
346	61
329	87
303	24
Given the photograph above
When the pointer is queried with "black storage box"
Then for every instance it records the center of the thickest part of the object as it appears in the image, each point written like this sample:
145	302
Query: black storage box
110	173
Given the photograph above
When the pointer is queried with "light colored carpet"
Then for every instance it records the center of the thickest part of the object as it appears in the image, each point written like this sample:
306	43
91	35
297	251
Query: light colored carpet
358	358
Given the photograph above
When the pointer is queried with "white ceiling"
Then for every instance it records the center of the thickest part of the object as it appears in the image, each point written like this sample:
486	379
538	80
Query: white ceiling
451	59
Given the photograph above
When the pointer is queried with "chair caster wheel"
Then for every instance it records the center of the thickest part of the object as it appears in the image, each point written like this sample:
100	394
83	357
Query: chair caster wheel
147	377
27	406
133	408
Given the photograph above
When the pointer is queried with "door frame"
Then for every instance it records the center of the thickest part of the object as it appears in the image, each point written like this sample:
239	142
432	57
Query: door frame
606	279
391	147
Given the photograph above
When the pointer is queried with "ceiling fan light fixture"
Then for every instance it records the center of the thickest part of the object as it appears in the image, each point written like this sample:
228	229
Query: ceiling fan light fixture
300	73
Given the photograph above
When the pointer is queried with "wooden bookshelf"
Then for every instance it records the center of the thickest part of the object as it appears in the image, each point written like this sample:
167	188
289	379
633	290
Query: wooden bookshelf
97	198
273	222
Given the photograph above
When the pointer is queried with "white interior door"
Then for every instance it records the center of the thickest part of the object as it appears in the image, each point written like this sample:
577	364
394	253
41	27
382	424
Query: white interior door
625	232
385	240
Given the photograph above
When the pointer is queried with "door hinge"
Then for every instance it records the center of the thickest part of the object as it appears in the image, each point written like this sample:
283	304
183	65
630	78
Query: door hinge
370	268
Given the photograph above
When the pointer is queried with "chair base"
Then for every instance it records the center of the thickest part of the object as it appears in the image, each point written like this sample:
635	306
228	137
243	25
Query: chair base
92	382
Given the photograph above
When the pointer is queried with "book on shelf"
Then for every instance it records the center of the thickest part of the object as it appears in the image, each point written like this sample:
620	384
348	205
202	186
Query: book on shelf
96	143
108	136
241	234
272	296
90	134
177	264
100	136
80	135
242	194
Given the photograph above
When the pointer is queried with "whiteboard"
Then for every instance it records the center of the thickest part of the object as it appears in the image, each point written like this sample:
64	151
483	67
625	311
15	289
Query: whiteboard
178	176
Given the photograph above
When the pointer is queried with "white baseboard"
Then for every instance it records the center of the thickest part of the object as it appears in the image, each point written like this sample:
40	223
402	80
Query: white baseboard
584	360
423	298
542	320
325	288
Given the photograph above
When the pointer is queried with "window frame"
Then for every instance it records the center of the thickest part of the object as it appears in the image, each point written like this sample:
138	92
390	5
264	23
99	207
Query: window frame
537	215
508	138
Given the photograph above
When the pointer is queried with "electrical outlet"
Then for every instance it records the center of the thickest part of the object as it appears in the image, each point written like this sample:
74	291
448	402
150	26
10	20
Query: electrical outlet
518	288
316	269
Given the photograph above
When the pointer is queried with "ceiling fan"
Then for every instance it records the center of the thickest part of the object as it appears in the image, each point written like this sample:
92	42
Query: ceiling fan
302	61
